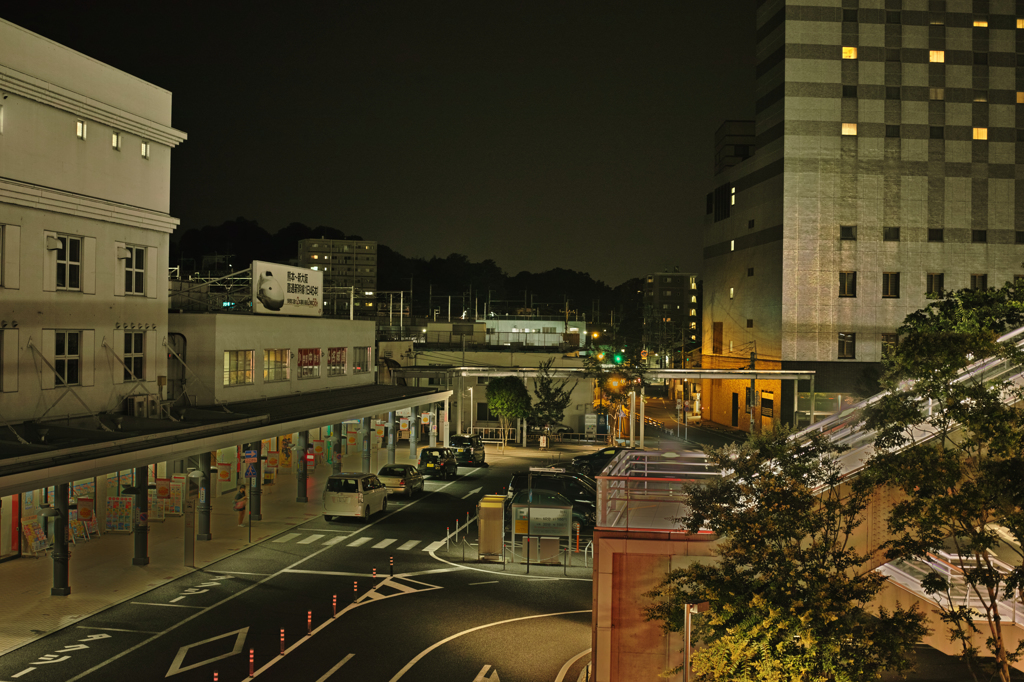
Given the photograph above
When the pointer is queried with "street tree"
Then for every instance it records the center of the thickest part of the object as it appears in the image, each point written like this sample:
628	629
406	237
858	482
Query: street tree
508	398
552	396
950	438
616	373
787	597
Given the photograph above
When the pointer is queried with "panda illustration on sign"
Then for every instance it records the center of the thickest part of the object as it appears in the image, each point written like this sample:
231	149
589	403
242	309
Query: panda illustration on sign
271	295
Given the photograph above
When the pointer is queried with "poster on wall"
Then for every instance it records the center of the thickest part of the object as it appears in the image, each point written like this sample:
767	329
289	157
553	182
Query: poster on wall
286	290
380	429
119	514
87	513
34	535
351	437
174	502
285	452
156	506
224	471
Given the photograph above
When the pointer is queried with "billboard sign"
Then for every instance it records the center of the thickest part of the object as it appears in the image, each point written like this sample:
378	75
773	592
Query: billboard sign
286	290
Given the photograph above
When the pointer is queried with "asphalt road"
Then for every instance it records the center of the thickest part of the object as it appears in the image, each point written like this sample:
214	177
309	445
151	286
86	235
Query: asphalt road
434	619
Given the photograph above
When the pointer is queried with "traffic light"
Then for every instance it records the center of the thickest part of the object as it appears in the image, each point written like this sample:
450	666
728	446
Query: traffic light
618	358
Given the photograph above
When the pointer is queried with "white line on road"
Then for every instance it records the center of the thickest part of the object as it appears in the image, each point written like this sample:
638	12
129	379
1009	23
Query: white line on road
311	539
384	543
335	668
141	632
360	541
568	664
471	492
486	582
433	546
287	537
333	541
430	648
409	545
177	606
303	570
210	570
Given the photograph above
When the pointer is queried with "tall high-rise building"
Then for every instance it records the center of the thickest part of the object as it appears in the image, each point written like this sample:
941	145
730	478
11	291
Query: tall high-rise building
344	262
671	309
885	168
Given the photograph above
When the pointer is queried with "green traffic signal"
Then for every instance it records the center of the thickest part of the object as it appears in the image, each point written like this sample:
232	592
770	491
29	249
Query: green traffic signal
618	358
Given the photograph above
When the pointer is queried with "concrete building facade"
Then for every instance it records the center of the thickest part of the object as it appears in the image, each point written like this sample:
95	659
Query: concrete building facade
671	316
886	168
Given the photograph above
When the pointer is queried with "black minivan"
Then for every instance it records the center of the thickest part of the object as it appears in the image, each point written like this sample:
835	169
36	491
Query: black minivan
469	449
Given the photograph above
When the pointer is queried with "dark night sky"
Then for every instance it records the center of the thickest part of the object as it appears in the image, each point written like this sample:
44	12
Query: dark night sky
537	134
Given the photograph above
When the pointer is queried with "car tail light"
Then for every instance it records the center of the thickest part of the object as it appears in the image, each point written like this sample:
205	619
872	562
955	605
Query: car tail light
402	482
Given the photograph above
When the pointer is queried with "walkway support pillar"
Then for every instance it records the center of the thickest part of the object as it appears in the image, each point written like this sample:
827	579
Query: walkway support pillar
366	444
337	447
60	542
642	416
141	529
256	487
301	466
391	437
414	427
203	522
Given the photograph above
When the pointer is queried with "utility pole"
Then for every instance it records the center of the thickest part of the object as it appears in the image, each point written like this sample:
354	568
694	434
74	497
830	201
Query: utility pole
753	396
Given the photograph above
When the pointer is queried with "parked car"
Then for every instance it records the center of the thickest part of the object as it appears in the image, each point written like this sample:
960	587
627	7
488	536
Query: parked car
572	485
584	512
404	479
594	463
439	462
354	494
469	449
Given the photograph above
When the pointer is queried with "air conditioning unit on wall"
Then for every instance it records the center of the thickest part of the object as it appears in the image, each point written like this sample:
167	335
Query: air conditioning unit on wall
147	406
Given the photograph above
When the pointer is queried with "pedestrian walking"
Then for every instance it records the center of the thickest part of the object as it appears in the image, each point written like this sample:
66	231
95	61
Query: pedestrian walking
240	500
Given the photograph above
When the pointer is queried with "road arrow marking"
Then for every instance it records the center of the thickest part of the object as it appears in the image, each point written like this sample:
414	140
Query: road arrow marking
472	492
493	677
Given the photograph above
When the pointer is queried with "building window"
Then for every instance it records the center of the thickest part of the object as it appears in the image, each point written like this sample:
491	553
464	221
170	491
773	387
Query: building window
892	17
134	355
847	345
732	244
850	15
693	282
732	196
732	292
937	56
716	338
892	131
979	282
1020	23
892	92
750	224
890	285
936	133
1020	98
937	93
135	271
750	324
238	367
145	150
849	91
69	263
848	232
892	54
750	272
309	363
981	133
115	140
337	359
361	359
979	236
1018	237
935	234
981	95
80	129
981	58
890	234
849	53
981	23
693	325
934	283
276	363
849	129
847	285
937	19
693	312
67	357
889	342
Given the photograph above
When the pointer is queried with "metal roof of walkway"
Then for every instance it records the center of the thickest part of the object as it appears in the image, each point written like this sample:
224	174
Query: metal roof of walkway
58	452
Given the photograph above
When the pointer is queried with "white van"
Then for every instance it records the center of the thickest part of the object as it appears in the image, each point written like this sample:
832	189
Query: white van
356	494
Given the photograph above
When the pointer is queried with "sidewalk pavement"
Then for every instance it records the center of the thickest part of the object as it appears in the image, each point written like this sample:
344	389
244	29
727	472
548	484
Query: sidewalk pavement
101	573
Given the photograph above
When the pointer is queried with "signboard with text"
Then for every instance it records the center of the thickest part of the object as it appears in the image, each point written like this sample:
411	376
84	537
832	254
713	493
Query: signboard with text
286	290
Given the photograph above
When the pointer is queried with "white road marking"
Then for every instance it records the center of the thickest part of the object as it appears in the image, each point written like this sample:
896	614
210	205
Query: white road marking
287	537
430	648
179	658
493	677
433	546
333	541
144	632
302	570
177	599
311	539
486	582
210	570
177	606
360	541
568	664
335	668
384	543
26	670
409	545
471	492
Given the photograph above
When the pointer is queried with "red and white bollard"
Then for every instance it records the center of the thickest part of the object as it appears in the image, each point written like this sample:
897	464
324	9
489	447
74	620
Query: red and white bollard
392	567
252	659
282	641
334	605
355	590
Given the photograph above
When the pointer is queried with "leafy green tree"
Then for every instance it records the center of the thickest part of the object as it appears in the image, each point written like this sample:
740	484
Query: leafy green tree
952	442
508	398
613	380
552	396
787	596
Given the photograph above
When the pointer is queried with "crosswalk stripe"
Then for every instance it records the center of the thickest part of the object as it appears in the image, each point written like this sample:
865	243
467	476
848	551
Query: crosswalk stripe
287	537
360	541
310	539
335	540
433	545
409	545
384	543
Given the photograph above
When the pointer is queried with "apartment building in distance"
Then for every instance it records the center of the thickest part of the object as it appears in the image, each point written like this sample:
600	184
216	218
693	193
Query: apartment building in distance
885	168
344	262
671	316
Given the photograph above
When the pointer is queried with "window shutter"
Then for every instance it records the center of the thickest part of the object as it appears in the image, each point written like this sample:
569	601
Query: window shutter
152	281
89	266
116	366
9	381
12	258
88	351
119	264
149	362
49	348
49	270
